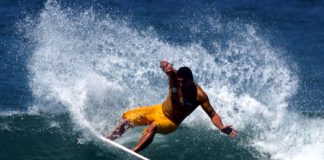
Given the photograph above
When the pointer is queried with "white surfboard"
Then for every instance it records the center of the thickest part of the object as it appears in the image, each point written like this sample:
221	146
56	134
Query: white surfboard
125	149
115	145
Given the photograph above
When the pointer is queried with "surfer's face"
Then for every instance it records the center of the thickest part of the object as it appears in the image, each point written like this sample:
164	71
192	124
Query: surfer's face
183	83
180	82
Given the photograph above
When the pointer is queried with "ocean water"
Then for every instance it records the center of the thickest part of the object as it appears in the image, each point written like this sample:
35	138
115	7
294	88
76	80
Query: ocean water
68	70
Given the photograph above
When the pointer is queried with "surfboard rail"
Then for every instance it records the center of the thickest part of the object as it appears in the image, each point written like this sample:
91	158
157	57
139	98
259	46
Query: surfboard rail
115	144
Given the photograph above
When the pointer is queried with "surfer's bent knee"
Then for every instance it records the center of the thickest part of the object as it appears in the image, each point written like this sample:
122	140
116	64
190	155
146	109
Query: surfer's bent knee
151	129
127	122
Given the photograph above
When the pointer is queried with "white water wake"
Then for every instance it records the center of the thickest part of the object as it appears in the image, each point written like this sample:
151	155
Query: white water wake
96	67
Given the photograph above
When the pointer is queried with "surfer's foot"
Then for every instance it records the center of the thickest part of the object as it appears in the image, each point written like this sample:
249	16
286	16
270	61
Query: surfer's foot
119	130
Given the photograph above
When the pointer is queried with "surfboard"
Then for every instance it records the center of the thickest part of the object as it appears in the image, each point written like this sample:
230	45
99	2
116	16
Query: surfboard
121	147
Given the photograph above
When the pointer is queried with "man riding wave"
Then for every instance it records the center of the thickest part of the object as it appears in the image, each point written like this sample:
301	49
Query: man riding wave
183	98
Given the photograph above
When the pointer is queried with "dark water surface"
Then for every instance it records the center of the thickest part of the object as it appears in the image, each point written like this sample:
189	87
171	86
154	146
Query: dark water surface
70	68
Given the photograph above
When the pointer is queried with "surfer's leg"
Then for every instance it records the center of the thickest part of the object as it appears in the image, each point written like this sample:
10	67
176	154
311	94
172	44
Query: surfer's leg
131	118
146	138
123	125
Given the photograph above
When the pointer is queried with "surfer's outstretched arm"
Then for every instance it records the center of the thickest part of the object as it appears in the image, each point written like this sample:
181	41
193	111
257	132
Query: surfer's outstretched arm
171	72
216	119
146	138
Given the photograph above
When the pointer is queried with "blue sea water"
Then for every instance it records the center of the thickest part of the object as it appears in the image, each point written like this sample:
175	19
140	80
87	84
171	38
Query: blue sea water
70	68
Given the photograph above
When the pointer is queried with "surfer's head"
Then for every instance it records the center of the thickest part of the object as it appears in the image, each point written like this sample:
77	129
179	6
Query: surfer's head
185	73
185	82
184	76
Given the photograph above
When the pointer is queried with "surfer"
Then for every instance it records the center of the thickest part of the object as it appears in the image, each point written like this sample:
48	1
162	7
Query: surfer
183	98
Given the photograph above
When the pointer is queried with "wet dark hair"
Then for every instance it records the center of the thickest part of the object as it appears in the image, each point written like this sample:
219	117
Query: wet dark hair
185	73
189	90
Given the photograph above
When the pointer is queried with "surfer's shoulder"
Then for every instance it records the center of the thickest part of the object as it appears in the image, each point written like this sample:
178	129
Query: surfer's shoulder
201	95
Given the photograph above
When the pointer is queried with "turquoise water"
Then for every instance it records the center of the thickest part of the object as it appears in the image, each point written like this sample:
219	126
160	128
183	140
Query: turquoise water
51	137
70	68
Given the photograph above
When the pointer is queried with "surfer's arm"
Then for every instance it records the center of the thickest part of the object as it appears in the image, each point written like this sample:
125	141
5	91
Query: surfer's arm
215	118
170	71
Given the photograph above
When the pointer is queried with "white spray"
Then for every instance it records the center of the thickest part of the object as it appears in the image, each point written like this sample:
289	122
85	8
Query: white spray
98	67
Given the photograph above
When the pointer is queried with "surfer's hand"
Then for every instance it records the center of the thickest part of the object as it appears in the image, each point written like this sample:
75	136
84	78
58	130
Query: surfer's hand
166	66
229	131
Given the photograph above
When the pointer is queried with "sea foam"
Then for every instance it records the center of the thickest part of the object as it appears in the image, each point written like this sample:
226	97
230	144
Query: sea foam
96	67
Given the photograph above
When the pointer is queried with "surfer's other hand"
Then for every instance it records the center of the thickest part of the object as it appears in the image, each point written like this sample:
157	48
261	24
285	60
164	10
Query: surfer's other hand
166	66
229	131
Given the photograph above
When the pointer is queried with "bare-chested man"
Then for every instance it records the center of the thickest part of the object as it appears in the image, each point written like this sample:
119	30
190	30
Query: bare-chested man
183	98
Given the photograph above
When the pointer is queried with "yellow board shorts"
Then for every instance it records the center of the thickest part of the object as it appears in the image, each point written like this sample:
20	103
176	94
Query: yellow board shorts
150	115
